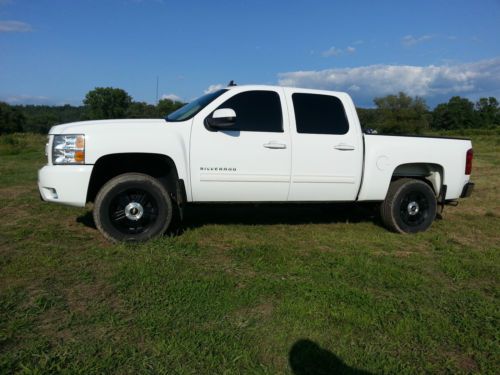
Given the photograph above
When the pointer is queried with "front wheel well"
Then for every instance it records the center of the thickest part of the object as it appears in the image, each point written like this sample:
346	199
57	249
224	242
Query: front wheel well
158	166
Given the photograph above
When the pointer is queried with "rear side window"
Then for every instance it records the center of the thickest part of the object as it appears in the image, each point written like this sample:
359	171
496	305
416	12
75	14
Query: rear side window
319	114
256	111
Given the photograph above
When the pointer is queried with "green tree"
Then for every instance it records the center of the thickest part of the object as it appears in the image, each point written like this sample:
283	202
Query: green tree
11	119
167	106
488	111
367	117
40	118
107	103
401	114
142	110
458	113
42	123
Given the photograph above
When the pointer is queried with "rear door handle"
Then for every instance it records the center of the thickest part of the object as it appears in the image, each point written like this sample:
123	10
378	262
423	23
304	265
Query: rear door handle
344	147
275	145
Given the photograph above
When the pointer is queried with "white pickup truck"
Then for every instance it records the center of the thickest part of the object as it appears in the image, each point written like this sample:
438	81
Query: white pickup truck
249	144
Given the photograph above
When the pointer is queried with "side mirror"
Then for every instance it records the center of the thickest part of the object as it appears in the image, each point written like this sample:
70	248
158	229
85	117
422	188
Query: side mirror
222	118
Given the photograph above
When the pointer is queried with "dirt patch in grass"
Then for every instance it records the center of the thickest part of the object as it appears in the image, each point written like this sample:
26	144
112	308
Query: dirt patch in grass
12	192
84	310
264	309
219	258
14	213
464	362
244	317
326	249
398	253
473	240
82	297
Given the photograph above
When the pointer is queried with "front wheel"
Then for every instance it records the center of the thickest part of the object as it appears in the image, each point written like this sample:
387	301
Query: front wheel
132	207
410	206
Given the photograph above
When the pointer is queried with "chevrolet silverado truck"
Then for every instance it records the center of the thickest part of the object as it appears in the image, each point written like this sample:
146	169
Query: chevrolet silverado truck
249	144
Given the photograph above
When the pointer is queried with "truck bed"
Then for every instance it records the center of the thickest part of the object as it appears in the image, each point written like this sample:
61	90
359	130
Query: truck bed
388	155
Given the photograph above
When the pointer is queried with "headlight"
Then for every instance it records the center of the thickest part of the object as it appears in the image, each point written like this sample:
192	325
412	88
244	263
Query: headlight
68	149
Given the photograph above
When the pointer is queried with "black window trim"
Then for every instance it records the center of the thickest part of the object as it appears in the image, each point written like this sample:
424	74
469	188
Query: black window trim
249	131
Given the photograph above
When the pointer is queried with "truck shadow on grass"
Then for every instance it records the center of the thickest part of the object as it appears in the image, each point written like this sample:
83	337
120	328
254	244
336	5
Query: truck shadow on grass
278	213
308	358
198	215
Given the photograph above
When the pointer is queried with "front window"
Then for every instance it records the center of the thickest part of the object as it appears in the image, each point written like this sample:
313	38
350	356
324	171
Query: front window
191	109
256	111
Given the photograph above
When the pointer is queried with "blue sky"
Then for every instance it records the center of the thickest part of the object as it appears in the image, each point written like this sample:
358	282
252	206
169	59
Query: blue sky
54	51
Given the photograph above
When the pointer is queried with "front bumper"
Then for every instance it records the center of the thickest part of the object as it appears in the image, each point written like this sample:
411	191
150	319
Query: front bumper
65	184
467	190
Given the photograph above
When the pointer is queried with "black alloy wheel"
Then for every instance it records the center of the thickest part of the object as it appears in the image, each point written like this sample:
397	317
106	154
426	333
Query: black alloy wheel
132	207
410	206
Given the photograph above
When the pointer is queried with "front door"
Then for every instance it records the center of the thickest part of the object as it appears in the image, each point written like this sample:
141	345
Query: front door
250	161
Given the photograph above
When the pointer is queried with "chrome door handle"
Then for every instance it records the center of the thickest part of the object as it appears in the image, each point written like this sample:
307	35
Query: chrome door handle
275	145
344	147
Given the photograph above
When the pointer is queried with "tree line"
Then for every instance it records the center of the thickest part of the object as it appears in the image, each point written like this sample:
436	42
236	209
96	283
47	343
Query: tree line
100	103
403	114
393	114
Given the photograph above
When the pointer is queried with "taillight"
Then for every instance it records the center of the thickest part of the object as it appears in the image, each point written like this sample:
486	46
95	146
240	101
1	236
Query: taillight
468	161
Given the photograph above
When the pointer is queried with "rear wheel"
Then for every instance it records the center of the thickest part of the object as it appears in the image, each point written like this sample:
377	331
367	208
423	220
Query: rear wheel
133	207
410	206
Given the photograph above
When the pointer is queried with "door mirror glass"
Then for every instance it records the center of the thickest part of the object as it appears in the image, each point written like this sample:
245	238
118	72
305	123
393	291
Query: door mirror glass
222	118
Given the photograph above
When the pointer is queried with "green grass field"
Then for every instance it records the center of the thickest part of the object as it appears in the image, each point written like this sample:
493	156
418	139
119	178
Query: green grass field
316	289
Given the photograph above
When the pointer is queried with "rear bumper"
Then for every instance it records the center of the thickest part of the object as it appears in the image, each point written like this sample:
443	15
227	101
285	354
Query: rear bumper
467	190
65	184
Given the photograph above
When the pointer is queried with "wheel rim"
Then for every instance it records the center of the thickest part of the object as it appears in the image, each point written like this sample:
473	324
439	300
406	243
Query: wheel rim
133	211
414	209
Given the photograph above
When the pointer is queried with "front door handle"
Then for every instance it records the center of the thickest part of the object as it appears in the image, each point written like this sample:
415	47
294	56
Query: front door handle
344	147
275	145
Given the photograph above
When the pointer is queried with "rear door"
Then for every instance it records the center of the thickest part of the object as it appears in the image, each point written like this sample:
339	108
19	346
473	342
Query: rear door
327	150
250	161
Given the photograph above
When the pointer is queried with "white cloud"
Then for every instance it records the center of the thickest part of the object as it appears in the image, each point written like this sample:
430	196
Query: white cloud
410	40
432	82
26	99
14	27
213	88
172	97
332	51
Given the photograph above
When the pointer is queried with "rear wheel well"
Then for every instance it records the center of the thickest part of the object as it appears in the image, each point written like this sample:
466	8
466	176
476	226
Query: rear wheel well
158	166
431	174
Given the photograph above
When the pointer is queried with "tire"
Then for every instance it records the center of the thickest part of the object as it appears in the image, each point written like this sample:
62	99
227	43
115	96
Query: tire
409	207
133	207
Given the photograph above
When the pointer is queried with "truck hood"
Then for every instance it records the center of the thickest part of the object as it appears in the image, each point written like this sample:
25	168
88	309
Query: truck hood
130	136
104	126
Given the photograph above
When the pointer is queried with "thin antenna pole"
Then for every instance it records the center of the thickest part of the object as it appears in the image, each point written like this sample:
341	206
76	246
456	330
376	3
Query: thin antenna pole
157	82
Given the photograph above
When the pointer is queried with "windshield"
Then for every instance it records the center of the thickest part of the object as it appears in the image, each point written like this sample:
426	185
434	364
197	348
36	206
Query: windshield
191	109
